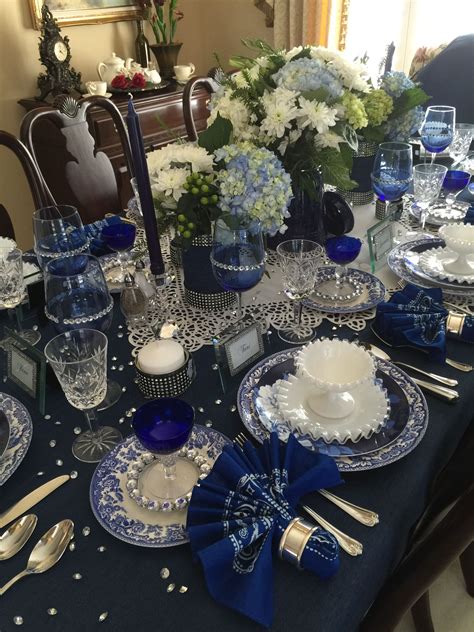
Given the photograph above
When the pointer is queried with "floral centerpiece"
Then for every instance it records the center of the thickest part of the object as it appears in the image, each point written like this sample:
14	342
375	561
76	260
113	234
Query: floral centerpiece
163	16
131	79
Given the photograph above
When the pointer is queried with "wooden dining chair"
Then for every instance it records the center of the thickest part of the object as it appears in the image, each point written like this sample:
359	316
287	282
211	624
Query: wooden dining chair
211	86
39	190
64	150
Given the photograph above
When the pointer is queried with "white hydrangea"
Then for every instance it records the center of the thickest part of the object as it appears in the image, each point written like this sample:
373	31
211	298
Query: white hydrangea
328	139
316	115
236	112
353	74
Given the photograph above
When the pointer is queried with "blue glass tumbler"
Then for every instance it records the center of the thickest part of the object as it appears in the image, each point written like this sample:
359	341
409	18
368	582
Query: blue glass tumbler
120	238
163	427
238	256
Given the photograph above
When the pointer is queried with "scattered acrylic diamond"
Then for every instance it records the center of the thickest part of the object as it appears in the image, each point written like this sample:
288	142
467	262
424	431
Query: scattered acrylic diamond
72	546
103	616
183	589
18	620
121	367
200	409
233	408
130	363
57	423
120	327
52	611
164	573
47	416
121	420
101	549
77	576
170	587
218	401
77	430
120	335
86	531
74	474
129	413
124	388
113	367
214	367
40	474
208	423
114	358
59	462
52	443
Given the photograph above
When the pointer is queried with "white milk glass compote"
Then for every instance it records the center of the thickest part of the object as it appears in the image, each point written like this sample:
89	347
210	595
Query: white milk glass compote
79	360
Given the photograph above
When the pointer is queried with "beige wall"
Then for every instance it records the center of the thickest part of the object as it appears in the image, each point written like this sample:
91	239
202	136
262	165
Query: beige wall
209	26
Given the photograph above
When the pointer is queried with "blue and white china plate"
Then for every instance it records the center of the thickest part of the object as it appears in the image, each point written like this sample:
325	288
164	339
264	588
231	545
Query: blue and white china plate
21	431
439	213
399	436
118	514
373	292
404	261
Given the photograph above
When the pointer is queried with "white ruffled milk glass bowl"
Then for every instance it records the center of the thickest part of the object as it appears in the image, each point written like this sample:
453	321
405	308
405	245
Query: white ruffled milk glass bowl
336	367
460	239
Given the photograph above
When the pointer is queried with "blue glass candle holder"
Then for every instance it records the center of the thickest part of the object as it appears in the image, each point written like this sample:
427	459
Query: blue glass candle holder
163	426
120	238
342	251
454	182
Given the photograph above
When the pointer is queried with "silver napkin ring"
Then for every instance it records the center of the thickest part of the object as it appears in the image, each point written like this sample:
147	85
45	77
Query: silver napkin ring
294	540
455	323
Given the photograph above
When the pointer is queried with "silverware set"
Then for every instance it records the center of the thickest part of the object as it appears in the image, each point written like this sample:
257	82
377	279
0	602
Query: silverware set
364	516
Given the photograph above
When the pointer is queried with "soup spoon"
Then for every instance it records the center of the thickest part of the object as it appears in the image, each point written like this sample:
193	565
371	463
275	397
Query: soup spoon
16	536
47	551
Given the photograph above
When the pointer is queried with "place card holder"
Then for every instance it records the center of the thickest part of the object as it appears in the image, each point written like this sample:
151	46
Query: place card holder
27	368
380	240
238	346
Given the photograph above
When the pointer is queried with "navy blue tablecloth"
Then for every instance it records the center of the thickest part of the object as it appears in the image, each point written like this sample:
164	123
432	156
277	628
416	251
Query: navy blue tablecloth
124	580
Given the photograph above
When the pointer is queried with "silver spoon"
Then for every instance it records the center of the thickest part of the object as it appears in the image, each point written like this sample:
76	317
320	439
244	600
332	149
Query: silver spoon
379	353
4	433
16	536
48	550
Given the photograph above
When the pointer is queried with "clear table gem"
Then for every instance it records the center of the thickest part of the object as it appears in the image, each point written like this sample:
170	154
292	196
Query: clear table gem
170	587
59	462
86	531
233	408
18	620
52	611
183	589
72	546
218	401
101	549
200	409
40	474
73	474
103	616
77	430
77	576
164	573
208	423
47	416
52	443
114	358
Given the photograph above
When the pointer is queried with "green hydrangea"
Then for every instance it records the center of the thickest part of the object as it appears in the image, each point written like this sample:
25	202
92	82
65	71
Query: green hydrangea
354	111
378	106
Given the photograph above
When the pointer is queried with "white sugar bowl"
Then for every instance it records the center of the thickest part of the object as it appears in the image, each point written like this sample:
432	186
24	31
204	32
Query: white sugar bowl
336	367
460	239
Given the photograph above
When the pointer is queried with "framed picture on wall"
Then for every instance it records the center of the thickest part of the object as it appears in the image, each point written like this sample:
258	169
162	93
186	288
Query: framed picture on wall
77	12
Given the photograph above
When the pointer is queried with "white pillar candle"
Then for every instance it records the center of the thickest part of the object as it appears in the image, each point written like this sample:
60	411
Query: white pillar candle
161	356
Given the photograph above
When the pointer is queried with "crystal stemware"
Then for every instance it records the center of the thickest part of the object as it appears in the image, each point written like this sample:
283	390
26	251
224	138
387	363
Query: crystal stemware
12	289
238	256
163	427
427	182
120	238
392	171
77	296
79	360
342	251
459	148
454	182
437	128
58	232
299	260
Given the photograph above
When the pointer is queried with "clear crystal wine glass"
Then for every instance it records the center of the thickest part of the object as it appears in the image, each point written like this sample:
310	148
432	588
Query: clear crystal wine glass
437	128
299	260
12	289
79	360
58	232
427	183
459	148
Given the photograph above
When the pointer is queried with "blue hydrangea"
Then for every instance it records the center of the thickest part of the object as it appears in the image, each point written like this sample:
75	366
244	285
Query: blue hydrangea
302	75
402	127
395	83
253	184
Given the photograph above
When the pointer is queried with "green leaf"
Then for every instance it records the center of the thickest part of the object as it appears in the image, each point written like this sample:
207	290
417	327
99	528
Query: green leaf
374	134
408	100
216	135
321	94
335	168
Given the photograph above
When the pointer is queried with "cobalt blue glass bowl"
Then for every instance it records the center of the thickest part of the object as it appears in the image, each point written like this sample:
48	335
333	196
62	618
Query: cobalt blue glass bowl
344	249
456	180
119	236
163	426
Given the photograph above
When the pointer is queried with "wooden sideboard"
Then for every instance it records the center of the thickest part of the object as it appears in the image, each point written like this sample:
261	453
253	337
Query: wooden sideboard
161	121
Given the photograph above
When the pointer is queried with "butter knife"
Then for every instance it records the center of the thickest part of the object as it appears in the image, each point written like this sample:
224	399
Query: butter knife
31	499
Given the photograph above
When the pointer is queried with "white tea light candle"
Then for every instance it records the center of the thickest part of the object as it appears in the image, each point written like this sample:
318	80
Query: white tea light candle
160	357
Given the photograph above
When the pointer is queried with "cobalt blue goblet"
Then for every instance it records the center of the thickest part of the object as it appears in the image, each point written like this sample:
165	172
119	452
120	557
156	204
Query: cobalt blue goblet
342	251
454	182
238	256
120	237
163	426
392	171
437	129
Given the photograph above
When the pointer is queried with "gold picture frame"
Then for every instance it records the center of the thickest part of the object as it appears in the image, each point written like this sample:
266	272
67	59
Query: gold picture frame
78	17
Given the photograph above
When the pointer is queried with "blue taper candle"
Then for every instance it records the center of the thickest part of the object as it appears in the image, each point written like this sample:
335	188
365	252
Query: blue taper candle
142	177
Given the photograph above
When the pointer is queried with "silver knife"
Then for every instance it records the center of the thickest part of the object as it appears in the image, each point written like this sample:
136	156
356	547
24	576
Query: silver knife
31	499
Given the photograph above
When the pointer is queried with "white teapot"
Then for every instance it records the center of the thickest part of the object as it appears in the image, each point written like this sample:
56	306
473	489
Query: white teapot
112	66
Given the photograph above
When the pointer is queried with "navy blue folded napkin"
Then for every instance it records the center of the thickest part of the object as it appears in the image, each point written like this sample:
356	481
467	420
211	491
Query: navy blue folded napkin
415	317
239	513
97	246
469	217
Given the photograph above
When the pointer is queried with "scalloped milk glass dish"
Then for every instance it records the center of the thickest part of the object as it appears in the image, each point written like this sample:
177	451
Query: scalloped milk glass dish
335	367
460	239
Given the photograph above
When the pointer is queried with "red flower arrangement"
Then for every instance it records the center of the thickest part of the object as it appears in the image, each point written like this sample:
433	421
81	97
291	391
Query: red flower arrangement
122	82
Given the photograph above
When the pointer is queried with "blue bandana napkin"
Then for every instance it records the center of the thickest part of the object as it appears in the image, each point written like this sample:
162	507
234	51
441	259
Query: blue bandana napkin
415	317
469	217
97	246
238	514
